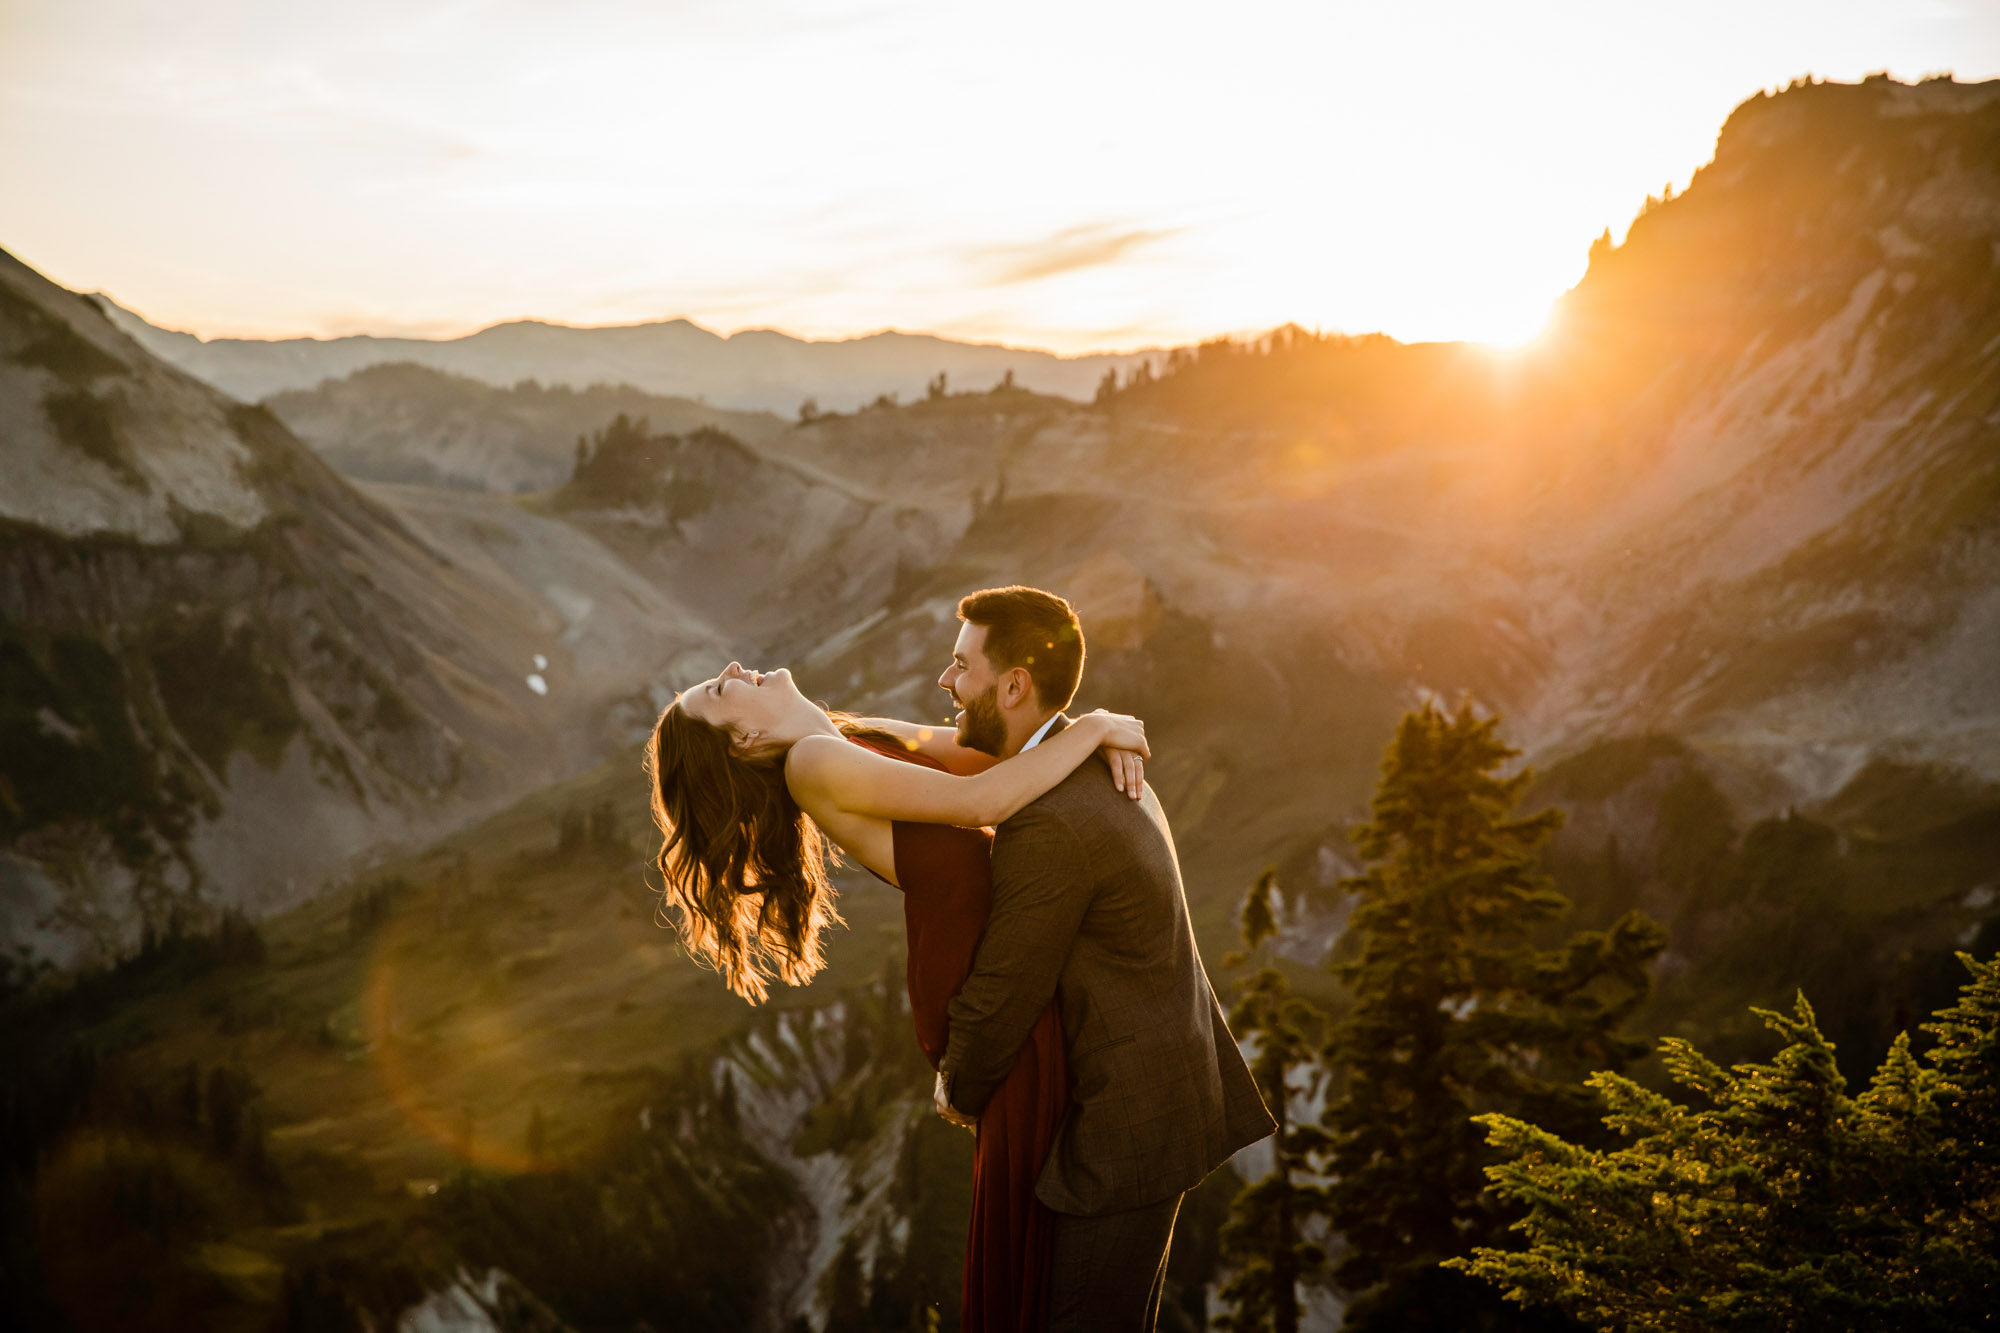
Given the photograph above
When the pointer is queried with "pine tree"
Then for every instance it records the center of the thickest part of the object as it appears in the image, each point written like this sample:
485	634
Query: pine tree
1264	1238
1777	1201
1453	1013
1967	1060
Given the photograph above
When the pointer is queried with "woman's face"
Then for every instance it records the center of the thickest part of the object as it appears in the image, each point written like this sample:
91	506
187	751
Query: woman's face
752	706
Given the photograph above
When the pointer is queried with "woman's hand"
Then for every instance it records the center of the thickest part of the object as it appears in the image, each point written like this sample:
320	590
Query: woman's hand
1123	749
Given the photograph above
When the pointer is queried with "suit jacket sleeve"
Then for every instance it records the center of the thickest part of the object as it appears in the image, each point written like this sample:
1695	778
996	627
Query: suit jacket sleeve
1040	894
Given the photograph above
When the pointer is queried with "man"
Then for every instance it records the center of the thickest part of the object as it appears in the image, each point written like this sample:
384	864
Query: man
1088	909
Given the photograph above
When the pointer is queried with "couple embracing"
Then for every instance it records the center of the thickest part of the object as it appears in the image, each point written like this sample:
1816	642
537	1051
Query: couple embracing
1053	976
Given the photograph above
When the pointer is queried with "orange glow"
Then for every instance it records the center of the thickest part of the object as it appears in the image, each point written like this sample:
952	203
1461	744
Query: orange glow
415	1098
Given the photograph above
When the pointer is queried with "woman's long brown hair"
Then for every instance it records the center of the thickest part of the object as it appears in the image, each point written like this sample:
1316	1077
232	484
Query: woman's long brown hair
744	867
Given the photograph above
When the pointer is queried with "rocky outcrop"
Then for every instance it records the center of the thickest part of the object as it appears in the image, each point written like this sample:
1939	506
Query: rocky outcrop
836	1098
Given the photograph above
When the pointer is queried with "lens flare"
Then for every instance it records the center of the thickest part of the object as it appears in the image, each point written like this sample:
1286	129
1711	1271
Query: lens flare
449	1122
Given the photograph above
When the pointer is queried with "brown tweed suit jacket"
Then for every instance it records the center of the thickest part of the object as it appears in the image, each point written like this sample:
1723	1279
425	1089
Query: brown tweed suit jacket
1088	908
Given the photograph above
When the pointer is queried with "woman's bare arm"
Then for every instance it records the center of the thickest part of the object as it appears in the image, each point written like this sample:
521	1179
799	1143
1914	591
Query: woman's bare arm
825	770
1128	767
939	743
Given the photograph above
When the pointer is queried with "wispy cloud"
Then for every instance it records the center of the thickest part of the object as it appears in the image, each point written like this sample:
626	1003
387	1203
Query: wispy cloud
1090	246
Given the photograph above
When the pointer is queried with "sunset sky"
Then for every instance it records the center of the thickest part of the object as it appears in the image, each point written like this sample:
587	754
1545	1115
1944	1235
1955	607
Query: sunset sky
1070	175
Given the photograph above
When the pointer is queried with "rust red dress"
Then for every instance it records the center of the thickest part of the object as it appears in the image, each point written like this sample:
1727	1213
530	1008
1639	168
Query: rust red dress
947	880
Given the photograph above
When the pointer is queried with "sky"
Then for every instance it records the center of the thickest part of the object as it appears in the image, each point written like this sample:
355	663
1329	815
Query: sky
1075	175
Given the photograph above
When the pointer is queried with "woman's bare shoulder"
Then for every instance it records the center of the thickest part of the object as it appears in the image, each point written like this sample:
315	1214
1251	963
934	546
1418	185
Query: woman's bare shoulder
813	758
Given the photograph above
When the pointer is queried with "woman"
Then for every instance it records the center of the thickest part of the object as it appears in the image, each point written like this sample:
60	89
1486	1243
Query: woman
750	780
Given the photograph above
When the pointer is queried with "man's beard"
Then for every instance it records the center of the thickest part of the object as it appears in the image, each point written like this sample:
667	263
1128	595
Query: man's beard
981	728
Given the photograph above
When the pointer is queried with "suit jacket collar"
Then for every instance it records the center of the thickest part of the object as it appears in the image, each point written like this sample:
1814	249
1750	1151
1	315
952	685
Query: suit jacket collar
1056	725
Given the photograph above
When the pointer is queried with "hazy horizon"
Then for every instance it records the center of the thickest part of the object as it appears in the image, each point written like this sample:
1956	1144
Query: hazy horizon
724	334
1073	180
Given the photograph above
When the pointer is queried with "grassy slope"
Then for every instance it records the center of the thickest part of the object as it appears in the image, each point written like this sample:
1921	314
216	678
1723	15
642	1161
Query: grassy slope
550	974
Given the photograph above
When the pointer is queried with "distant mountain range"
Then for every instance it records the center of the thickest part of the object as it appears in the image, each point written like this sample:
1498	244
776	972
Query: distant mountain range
754	370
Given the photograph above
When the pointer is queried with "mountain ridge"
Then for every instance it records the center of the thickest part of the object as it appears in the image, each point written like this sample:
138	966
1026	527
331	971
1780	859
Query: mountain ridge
749	370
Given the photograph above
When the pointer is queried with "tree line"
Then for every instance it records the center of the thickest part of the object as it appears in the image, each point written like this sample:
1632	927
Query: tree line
1480	1161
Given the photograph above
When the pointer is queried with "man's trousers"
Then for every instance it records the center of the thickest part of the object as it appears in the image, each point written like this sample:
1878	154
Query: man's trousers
1108	1271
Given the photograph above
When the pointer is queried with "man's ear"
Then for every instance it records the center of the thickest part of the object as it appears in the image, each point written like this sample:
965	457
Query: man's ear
1017	687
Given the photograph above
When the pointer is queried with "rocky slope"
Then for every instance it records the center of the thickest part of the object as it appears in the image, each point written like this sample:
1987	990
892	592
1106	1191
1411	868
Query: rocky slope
228	671
754	370
1788	511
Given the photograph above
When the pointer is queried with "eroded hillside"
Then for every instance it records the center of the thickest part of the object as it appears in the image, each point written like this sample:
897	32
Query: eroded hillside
227	671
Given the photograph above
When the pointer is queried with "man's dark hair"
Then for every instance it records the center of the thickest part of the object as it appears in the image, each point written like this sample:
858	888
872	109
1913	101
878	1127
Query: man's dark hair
1026	627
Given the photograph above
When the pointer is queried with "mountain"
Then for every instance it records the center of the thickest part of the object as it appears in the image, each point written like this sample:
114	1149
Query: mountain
409	424
228	672
1793	535
753	370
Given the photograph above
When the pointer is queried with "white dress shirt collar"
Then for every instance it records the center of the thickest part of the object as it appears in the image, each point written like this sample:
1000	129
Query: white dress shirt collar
1040	732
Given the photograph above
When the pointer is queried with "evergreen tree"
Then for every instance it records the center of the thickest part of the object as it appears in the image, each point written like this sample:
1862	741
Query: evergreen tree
1967	1061
1777	1201
1454	1013
1264	1238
